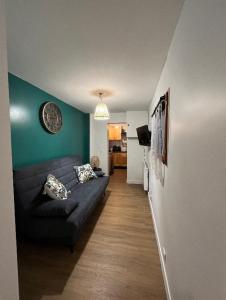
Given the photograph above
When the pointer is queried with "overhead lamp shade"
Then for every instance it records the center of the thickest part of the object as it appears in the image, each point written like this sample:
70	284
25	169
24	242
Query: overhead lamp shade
101	112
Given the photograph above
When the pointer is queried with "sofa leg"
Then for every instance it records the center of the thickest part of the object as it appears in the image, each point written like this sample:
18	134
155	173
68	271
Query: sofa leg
72	248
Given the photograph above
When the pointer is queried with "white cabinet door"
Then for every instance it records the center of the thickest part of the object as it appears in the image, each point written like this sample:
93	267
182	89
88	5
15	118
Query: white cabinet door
135	119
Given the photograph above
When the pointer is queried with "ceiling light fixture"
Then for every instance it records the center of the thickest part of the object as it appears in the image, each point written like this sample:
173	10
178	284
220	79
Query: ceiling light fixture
101	111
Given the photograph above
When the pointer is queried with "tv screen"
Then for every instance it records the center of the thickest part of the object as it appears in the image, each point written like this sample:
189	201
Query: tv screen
144	135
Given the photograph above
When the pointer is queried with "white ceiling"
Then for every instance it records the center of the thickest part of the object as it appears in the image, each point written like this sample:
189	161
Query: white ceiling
71	47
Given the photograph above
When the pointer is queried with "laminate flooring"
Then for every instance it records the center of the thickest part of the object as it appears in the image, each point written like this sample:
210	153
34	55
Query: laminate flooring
115	258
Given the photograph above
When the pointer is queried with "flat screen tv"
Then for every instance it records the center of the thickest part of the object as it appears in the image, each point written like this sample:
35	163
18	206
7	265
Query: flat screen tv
144	135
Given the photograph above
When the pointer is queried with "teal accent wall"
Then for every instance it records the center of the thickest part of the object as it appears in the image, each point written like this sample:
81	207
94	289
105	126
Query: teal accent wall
30	142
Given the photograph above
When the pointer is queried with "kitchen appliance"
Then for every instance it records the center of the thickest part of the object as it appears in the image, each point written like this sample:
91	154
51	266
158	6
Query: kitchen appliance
116	148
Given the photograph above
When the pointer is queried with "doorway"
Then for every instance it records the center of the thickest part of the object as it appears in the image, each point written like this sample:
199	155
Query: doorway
117	146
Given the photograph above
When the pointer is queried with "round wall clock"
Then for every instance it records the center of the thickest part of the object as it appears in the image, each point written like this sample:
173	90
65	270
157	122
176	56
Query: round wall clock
51	117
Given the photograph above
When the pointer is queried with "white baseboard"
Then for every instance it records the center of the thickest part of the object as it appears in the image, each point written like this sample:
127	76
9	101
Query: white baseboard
134	181
163	267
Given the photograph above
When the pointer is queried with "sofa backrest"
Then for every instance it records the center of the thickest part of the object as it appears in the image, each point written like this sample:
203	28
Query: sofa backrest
29	181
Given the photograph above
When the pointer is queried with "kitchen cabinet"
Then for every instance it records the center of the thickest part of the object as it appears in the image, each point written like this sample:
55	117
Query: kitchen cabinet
135	119
114	133
119	159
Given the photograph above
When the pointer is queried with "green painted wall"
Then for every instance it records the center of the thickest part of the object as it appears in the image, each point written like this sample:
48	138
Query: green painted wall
30	142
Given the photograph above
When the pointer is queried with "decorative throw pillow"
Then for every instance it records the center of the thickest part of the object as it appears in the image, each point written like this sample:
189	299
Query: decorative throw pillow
99	173
55	189
85	173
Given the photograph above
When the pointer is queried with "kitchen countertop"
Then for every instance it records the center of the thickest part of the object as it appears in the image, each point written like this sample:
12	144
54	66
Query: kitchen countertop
117	152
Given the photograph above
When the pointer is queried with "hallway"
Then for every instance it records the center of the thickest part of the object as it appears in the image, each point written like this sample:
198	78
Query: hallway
116	257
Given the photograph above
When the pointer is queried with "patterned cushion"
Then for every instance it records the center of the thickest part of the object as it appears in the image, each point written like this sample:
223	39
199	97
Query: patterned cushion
85	173
55	189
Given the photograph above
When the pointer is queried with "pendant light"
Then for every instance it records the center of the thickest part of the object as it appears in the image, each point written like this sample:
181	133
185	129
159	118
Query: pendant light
101	111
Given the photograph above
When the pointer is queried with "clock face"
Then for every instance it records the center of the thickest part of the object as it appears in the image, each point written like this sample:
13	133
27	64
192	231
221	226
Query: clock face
51	117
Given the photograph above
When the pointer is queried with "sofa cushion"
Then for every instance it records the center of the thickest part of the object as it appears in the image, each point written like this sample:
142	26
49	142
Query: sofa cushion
85	173
48	208
55	189
87	194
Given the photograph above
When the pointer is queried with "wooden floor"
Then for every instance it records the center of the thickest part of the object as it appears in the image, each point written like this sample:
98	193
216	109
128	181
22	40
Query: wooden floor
116	257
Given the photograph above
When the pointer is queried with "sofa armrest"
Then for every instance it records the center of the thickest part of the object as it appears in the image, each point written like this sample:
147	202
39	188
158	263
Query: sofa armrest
54	208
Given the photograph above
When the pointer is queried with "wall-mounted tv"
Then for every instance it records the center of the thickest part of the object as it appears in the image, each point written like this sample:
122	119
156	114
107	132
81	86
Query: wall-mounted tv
144	135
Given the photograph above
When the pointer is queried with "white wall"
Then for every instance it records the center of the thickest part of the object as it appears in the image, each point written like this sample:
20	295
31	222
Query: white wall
190	209
135	161
99	138
8	257
135	152
135	119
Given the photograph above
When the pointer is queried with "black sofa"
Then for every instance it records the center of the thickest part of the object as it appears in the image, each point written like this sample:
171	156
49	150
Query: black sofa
28	187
